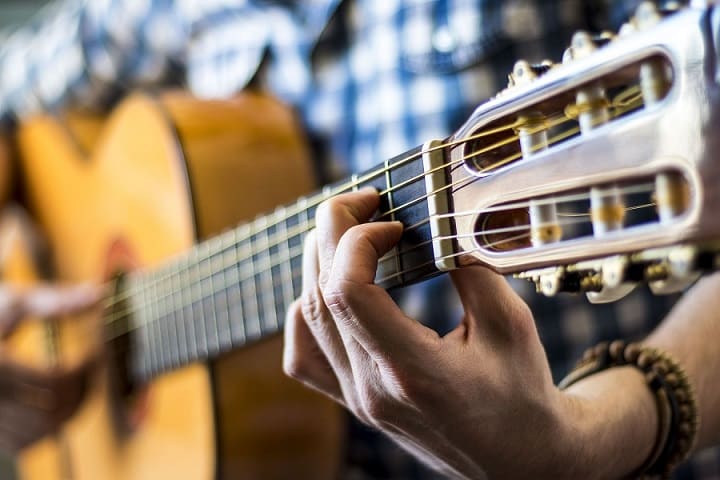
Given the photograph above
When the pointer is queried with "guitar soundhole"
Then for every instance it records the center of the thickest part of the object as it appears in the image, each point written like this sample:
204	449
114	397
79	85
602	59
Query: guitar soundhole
128	400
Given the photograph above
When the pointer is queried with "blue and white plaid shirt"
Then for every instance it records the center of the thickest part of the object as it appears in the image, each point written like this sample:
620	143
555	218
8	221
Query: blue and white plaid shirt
370	79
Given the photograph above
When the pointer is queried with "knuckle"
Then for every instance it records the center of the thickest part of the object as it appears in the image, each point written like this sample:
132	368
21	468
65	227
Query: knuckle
338	297
312	307
520	321
358	235
328	210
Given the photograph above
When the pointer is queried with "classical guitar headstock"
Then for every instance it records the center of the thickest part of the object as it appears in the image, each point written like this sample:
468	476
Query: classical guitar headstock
599	172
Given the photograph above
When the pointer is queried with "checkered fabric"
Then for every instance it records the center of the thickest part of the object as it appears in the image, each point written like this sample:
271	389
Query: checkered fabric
369	78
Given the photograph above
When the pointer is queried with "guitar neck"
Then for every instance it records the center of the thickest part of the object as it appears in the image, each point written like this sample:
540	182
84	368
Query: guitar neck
235	288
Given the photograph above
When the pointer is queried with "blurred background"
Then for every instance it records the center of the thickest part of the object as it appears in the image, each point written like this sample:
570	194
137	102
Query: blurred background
12	13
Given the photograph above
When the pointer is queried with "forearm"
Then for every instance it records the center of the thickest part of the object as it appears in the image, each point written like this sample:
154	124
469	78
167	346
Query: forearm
616	423
690	334
616	415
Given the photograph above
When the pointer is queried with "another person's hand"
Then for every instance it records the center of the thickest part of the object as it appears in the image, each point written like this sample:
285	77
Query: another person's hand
33	402
478	401
6	165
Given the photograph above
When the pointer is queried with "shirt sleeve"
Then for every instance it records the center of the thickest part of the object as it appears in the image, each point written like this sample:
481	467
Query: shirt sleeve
88	52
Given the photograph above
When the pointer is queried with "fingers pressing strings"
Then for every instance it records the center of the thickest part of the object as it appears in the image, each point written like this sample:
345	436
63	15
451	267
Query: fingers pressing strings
351	252
323	326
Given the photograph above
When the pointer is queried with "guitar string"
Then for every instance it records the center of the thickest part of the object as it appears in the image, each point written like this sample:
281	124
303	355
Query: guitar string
266	268
303	229
281	260
494	166
552	121
646	188
209	347
248	236
159	364
213	270
460	253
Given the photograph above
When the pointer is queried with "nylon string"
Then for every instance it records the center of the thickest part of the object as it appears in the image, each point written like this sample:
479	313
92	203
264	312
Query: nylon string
301	207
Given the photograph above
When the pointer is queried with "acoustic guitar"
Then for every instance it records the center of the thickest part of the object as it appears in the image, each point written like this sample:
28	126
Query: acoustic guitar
591	176
131	191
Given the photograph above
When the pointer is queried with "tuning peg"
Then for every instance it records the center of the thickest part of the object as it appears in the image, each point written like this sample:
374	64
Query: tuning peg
647	15
675	274
525	72
612	272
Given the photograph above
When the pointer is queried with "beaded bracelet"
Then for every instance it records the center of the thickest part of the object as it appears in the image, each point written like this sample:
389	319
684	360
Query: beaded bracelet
674	396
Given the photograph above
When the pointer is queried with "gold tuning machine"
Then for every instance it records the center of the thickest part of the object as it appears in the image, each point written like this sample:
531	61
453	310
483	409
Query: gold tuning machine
666	270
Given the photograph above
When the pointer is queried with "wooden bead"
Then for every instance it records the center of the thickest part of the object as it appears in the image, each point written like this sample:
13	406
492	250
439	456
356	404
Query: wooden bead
672	379
685	410
644	360
616	349
660	368
631	352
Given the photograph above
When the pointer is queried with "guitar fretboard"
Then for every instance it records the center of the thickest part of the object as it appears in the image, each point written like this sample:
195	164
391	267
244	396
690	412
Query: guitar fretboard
235	288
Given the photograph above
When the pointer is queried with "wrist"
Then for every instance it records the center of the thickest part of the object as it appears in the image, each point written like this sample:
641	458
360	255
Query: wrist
611	424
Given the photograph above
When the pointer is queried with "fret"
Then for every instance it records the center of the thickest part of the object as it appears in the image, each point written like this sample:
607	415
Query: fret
285	255
269	321
161	327
299	222
200	297
208	292
249	288
167	318
410	202
178	317
378	180
394	264
237	287
275	271
196	296
162	318
145	319
236	314
221	286
187	311
141	365
328	191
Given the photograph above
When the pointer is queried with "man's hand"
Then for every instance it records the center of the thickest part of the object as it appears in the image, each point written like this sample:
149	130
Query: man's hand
478	401
35	402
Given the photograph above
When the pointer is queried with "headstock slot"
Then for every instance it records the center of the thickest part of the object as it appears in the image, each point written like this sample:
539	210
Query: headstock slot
591	212
527	130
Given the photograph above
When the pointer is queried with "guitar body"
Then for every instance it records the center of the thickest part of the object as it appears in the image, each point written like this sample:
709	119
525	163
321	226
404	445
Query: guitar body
161	174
